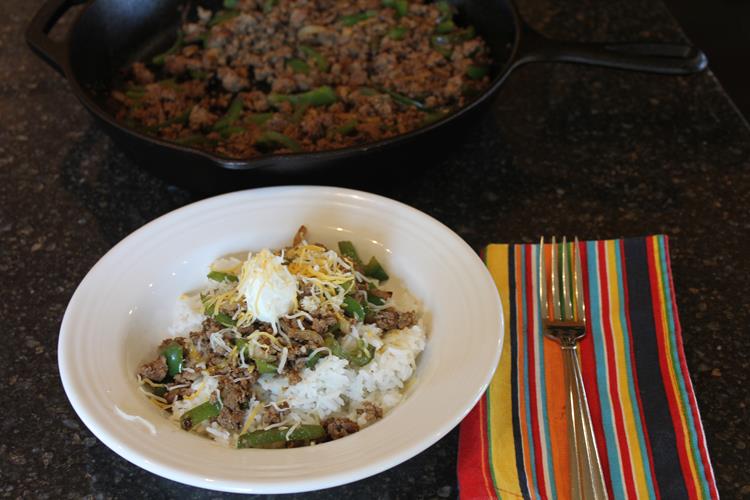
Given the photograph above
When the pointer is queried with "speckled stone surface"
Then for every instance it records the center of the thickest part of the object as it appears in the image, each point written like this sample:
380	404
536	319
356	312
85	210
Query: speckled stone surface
564	150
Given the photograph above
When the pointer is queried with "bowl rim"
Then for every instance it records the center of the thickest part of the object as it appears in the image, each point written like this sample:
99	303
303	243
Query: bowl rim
334	478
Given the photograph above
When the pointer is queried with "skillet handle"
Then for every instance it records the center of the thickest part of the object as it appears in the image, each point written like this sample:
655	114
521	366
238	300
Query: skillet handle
661	58
37	33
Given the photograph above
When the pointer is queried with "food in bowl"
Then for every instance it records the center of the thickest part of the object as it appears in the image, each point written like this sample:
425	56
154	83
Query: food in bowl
287	348
284	76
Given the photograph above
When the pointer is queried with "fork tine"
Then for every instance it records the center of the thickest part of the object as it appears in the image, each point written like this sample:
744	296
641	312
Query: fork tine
567	299
542	281
553	279
578	283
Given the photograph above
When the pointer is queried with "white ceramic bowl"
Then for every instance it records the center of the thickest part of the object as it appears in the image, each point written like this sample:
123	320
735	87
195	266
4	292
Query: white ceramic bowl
121	309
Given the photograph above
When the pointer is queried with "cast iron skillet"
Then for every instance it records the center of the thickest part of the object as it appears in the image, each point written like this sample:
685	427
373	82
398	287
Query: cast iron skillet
109	34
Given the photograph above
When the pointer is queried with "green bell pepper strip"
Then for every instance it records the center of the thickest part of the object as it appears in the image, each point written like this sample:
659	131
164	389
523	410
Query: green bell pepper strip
220	317
313	360
224	319
298	66
208	309
299	112
219	276
265	367
477	72
197	74
181	118
333	344
320	61
397	33
347	285
374	299
271	137
135	92
402	99
169	83
223	16
357	18
228	132
230	4
347	128
241	346
232	115
400	6
347	250
433	116
354	308
268	5
444	8
363	355
445	27
259	118
159	59
173	354
463	35
202	412
320	96
373	269
441	44
260	439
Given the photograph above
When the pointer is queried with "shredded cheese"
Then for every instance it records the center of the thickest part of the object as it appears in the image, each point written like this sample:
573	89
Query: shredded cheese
251	417
282	361
290	431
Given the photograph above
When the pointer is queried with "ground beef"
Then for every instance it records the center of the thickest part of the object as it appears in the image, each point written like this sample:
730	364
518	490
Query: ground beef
231	420
142	74
173	394
323	323
370	411
154	370
337	427
186	377
391	319
243	377
382	74
200	117
200	338
382	294
232	395
310	338
300	236
294	377
273	416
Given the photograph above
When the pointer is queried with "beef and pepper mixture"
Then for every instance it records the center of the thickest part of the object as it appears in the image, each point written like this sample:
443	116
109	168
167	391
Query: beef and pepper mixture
281	76
219	379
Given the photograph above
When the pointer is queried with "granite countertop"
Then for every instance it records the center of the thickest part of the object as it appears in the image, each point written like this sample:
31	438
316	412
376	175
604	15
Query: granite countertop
564	149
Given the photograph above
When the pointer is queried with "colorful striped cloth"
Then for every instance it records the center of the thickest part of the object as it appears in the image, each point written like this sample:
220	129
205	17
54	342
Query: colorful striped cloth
514	442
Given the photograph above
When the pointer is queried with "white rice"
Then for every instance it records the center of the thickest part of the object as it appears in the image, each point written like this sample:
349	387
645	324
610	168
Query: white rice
332	386
188	316
392	365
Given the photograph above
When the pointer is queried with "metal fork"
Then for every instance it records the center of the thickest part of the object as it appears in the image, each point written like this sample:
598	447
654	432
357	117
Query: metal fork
565	321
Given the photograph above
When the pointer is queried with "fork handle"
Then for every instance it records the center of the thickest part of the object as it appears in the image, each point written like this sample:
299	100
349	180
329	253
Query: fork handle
587	479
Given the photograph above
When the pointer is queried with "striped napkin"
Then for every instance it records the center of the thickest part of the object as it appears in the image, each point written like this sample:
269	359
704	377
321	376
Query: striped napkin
514	442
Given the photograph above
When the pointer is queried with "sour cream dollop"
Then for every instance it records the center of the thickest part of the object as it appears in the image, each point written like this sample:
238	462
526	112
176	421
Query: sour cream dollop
270	289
